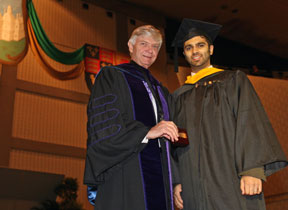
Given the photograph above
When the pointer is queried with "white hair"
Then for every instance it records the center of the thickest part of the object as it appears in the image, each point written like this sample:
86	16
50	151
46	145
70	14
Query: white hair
146	30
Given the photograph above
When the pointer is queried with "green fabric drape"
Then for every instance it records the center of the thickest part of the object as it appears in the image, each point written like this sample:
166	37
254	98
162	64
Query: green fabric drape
47	46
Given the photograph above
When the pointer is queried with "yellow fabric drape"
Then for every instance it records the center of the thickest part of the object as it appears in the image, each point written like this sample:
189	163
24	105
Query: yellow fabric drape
71	74
201	74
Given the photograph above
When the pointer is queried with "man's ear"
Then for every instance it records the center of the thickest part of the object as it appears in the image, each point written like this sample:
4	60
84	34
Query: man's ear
211	49
130	47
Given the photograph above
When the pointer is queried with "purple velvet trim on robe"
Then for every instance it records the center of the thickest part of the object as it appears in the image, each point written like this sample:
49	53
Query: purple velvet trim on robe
150	159
167	117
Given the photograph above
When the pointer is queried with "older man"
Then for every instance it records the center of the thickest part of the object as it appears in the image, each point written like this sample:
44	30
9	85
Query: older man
232	144
128	160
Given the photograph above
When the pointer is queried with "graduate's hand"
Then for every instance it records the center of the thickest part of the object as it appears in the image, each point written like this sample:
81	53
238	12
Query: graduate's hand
177	196
250	185
165	129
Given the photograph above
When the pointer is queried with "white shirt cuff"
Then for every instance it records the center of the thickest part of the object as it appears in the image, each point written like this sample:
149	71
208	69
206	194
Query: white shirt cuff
145	140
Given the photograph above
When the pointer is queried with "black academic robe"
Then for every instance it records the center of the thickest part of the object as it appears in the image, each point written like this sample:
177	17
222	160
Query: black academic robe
229	132
126	173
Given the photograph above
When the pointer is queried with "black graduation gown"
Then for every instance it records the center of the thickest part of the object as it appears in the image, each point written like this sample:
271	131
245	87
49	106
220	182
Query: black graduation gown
229	132
127	173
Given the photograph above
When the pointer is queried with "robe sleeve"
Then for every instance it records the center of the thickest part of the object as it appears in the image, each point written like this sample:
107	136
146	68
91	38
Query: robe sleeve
171	102
175	168
256	144
175	112
113	134
255	172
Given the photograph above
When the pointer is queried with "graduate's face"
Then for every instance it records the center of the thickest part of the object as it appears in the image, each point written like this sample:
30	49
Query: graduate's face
197	52
145	50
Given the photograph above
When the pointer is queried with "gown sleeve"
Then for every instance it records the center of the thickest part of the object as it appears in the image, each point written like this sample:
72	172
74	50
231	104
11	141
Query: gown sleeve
175	113
256	144
113	134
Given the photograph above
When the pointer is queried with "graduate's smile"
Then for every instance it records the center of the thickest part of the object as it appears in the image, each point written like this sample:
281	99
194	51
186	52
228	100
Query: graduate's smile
196	58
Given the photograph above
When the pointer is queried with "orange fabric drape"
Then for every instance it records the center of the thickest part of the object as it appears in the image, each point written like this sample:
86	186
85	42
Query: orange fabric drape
71	74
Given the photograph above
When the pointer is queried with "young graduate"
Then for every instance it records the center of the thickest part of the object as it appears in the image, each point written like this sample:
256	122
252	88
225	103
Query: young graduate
232	146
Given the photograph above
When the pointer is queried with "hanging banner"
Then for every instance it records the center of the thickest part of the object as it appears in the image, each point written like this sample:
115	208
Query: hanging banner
121	58
96	58
13	42
92	62
106	57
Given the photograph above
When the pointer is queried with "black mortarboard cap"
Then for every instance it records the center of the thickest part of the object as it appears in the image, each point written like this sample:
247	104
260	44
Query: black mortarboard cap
190	28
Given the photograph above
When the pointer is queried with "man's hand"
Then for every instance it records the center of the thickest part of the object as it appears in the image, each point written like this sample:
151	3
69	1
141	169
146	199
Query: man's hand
177	196
165	129
250	185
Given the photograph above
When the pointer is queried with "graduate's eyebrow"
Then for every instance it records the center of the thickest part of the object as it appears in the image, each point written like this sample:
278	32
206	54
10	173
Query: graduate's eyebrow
198	43
202	43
